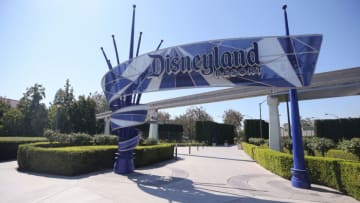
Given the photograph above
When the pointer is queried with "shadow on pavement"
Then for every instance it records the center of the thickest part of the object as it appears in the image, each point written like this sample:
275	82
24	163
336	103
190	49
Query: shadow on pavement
184	190
324	190
214	157
76	177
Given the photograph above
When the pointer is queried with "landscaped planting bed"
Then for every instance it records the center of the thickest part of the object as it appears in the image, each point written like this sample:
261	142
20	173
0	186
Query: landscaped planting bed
9	145
59	159
336	173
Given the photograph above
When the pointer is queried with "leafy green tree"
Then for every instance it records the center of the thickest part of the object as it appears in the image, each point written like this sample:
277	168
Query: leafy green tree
35	113
63	100
188	120
101	102
12	121
4	107
163	117
234	118
82	115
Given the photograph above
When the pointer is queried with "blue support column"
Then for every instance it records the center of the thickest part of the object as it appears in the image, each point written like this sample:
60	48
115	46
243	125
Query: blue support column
300	176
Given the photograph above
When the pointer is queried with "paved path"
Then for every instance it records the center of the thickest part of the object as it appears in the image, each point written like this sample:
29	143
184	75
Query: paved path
210	174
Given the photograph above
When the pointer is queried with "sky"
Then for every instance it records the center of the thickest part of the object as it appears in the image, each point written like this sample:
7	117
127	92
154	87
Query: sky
47	42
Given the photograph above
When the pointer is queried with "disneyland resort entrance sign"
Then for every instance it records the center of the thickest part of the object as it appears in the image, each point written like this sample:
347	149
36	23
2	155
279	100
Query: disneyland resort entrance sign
285	61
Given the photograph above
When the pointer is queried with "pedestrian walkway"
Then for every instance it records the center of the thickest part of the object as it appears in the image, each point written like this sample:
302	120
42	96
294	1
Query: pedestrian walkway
209	174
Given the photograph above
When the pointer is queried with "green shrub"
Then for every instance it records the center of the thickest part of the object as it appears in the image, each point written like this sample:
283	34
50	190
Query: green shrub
256	141
307	144
321	144
50	135
343	145
337	173
9	145
105	139
351	146
151	141
249	149
80	139
286	143
340	154
350	174
40	157
58	159
355	146
146	155
271	160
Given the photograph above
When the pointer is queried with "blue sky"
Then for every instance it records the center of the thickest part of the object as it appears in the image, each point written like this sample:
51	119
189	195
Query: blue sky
47	42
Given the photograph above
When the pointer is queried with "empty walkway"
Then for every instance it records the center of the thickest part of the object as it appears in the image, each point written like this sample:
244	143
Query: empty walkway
210	174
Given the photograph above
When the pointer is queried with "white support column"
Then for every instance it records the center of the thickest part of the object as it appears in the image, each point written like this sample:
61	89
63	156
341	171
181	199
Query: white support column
107	126
153	131
274	125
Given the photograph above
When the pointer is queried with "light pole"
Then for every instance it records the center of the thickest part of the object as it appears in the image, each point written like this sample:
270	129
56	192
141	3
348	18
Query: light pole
260	123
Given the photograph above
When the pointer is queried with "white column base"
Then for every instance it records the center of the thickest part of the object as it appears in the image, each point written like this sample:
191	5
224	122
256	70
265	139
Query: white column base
274	125
107	126
154	126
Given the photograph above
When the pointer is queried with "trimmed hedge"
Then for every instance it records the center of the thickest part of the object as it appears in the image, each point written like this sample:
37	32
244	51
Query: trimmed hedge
56	159
211	132
146	155
170	132
336	173
340	154
338	129
74	160
252	129
9	145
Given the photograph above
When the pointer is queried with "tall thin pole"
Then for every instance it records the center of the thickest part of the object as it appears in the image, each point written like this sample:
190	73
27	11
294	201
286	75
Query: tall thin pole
131	52
106	59
137	54
116	51
129	99
260	123
158	47
138	45
288	116
300	177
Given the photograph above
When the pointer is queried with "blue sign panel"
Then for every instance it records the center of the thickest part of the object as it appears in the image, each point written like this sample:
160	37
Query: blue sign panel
264	61
286	61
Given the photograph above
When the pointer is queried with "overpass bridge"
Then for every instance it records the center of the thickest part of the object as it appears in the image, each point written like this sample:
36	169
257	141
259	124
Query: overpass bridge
339	83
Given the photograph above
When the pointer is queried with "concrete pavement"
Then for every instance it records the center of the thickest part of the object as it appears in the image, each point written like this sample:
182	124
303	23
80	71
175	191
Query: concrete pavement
210	174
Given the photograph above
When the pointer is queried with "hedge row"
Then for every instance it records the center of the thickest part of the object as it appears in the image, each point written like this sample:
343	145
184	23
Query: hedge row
74	160
336	173
9	145
146	155
338	129
340	154
252	129
170	132
210	132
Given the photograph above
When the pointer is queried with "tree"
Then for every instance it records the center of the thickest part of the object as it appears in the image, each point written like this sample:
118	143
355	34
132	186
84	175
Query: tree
100	101
163	117
63	100
82	115
12	121
189	119
4	107
234	118
35	113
